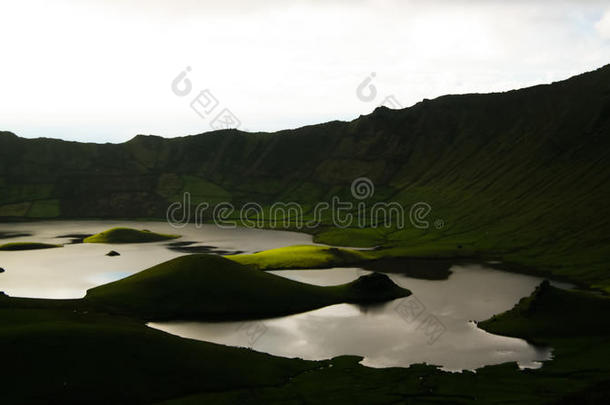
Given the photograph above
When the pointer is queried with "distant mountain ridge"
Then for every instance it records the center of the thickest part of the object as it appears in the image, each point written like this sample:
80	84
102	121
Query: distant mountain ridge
523	175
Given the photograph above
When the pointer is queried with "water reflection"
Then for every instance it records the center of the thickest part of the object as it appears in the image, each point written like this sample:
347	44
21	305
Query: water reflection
383	334
68	272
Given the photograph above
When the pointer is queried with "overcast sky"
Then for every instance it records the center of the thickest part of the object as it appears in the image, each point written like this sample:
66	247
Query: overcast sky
102	71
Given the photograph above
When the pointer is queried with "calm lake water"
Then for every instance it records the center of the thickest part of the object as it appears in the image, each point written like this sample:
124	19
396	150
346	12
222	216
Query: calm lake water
434	325
70	271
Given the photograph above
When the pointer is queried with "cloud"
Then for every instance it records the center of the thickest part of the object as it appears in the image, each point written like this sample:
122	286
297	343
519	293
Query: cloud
98	70
603	25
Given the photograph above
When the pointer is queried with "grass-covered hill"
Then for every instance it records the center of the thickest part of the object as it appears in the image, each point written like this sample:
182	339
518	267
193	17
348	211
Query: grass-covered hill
13	246
551	313
128	235
68	356
210	287
66	351
303	257
521	176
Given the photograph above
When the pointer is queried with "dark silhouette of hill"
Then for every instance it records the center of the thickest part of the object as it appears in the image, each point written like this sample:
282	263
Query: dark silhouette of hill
521	175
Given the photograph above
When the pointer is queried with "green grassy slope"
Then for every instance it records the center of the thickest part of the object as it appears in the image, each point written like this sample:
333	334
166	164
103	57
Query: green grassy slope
209	287
60	355
302	257
127	235
65	351
313	257
579	372
551	313
27	246
521	176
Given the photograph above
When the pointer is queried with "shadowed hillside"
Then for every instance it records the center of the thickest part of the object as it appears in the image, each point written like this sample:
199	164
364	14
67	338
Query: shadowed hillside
521	176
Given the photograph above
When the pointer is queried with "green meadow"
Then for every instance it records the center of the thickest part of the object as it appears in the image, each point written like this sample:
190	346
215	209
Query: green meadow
519	178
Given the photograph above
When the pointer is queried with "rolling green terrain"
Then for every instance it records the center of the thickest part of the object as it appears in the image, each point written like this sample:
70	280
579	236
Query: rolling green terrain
520	176
208	287
551	313
71	351
302	257
313	257
57	354
127	235
26	246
